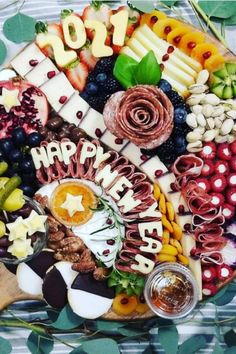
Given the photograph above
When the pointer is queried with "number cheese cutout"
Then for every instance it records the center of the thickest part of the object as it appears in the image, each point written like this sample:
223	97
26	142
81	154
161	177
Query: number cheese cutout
62	57
99	49
120	22
80	33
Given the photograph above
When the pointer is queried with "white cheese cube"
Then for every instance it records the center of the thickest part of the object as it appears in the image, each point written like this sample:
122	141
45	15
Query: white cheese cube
39	74
93	124
21	63
58	90
75	109
165	182
185	219
113	142
177	199
151	166
133	153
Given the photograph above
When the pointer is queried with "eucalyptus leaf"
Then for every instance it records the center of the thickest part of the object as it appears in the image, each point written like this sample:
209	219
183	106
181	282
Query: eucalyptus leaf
219	9
227	297
169	2
218	295
108	326
100	346
19	28
124	70
217	349
131	332
67	319
231	350
192	345
5	346
3	51
148	350
39	345
169	337
148	71
231	21
78	350
230	338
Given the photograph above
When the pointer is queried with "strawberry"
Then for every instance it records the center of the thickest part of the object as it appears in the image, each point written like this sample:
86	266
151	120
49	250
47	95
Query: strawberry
208	151
204	184
208	168
217	199
218	182
53	28
77	74
87	57
222	167
97	11
223	152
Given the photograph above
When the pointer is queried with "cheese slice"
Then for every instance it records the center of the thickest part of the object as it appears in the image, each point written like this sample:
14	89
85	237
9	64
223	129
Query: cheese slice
152	165
93	124
133	153
113	142
39	74
75	109
177	199
165	181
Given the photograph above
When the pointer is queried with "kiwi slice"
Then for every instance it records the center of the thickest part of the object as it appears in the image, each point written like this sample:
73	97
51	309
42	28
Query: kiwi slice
3	167
223	81
8	188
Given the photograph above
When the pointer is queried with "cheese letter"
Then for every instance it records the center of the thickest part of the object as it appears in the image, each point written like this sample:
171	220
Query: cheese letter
118	187
99	49
68	149
145	265
128	202
80	34
39	156
88	150
106	176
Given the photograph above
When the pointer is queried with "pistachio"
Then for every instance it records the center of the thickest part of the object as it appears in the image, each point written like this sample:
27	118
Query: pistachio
230	138
191	120
222	117
203	76
217	111
207	110
195	99
201	120
227	126
231	114
210	123
218	122
220	139
193	136
210	98
197	88
234	129
197	109
200	130
210	135
195	146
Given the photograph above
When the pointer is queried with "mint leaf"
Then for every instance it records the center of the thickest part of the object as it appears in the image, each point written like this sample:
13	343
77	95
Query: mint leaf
19	28
148	70
218	9
124	70
3	51
5	346
169	337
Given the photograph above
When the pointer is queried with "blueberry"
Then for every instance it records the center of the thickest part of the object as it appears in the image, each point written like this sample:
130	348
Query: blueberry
92	88
34	139
15	155
6	145
180	115
164	85
27	190
19	136
28	177
102	77
26	165
180	143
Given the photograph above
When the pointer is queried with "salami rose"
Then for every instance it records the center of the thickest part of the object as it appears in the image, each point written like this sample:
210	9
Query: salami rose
143	114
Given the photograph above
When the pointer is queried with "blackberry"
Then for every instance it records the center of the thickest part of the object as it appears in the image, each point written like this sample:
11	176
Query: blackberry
111	85
105	65
167	152
175	98
98	102
181	129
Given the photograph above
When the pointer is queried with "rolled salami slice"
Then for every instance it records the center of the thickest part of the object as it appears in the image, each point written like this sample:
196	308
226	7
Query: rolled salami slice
143	114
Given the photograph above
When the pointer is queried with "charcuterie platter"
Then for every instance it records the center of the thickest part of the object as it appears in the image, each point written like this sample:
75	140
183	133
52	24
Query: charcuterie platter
118	165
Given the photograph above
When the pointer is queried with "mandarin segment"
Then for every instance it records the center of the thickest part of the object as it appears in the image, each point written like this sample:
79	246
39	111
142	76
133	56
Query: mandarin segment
190	40
214	62
124	304
163	27
174	37
151	18
204	51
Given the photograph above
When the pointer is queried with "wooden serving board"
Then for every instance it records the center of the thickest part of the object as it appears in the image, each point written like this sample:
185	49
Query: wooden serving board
9	290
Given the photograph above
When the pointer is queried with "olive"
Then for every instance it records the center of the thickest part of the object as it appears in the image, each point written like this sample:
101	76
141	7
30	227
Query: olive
43	131
55	123
4	241
77	134
63	134
72	126
51	136
3	252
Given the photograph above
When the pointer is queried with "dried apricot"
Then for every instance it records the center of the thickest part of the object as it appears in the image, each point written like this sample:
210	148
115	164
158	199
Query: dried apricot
214	62
189	41
124	304
174	37
152	18
204	51
163	27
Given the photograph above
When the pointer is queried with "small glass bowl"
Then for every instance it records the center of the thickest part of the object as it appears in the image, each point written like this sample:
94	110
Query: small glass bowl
171	291
40	238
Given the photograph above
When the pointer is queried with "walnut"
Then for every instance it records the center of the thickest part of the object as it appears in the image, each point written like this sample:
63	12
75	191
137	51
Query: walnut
53	224
69	233
86	263
43	201
53	245
56	236
71	245
100	273
71	257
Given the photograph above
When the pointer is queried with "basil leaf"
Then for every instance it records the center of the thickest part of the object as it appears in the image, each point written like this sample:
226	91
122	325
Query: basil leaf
3	51
148	70
124	70
19	28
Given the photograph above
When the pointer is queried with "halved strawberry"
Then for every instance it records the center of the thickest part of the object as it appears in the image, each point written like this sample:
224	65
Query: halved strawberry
53	28
86	56
97	11
77	74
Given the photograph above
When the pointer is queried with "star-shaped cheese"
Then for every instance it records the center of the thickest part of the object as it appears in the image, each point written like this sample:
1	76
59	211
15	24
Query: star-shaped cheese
21	248
9	99
73	204
18	229
35	223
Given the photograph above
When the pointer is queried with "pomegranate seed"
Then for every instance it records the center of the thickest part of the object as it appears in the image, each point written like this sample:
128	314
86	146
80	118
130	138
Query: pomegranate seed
173	187
62	99
162	67
181	209
124	301
33	62
206	55
158	173
177	39
142	299
98	133
191	45
106	252
167	29
109	221
79	114
119	141
187	227
170	49
165	57
51	74
153	20
143	157
110	242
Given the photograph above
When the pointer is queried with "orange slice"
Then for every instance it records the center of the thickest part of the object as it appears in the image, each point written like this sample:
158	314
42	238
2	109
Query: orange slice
72	189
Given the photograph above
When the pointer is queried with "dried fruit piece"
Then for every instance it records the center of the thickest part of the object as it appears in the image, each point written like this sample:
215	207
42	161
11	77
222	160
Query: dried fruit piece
166	224
124	304
169	249
183	259
151	18
203	51
174	37
156	192
177	231
177	245
162	204
170	211
190	40
162	257
165	237
142	306
163	27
